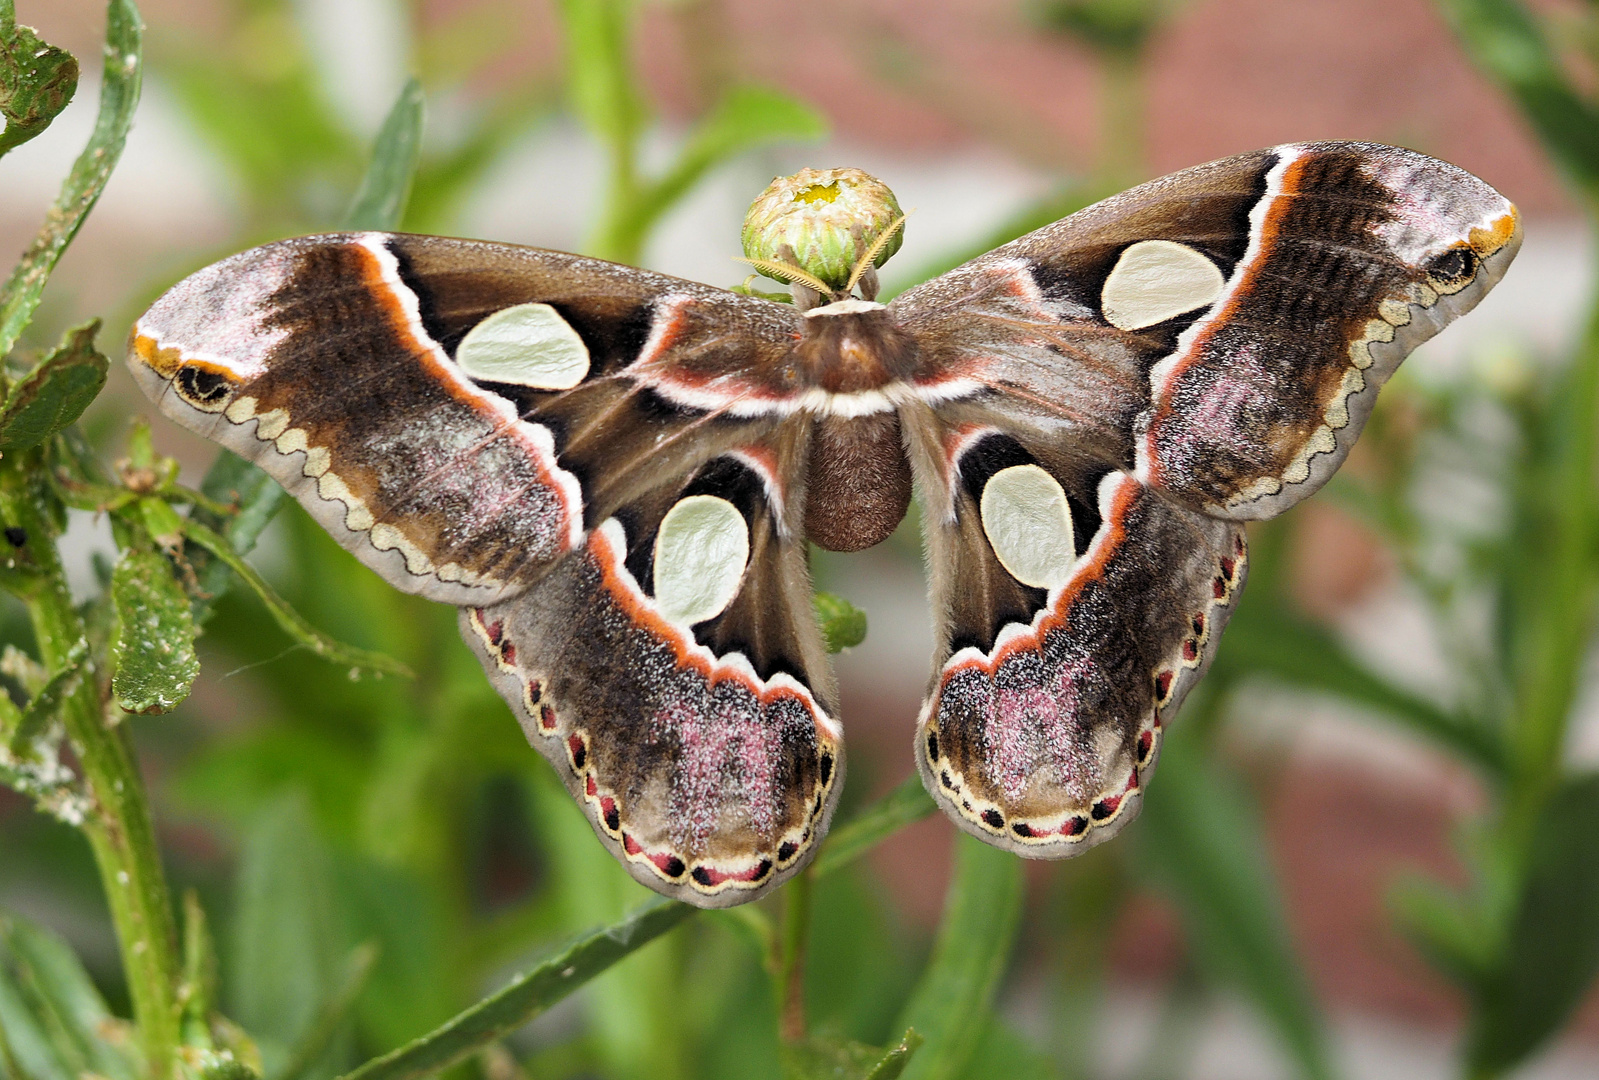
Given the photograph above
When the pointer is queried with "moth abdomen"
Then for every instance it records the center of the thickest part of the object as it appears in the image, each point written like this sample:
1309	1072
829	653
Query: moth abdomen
859	481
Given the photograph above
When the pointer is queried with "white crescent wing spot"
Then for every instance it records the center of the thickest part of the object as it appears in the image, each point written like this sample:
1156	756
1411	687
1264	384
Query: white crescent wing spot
525	345
1156	280
1029	525
700	554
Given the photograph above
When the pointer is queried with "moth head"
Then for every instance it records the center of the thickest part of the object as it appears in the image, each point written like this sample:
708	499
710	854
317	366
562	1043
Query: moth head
823	232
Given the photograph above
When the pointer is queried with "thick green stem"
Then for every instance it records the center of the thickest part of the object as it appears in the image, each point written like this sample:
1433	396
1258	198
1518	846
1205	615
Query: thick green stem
1560	630
118	825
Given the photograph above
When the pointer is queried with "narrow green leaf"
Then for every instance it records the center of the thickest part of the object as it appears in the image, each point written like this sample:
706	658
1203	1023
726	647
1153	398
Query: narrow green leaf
747	117
1265	641
843	624
119	95
66	1010
152	645
293	624
903	806
44	704
386	188
894	1062
255	497
36	81
54	393
1502	37
1447	928
822	1058
1552	954
331	1015
951	1003
1202	844
198	994
527	996
287	936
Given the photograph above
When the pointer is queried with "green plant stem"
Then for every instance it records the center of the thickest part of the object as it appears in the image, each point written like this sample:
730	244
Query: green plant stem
1121	137
791	958
118	824
1560	633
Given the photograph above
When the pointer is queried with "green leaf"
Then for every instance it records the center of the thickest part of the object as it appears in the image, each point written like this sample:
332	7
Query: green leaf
287	618
527	996
59	1026
386	188
36	81
161	522
152	645
119	95
287	954
55	393
821	1058
44	704
1503	38
747	117
905	805
1552	953
1202	844
951	1003
843	624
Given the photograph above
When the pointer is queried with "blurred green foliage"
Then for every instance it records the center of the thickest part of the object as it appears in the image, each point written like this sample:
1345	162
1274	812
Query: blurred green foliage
378	847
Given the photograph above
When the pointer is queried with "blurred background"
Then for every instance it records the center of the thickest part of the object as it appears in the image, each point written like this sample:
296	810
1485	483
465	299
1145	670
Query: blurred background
313	813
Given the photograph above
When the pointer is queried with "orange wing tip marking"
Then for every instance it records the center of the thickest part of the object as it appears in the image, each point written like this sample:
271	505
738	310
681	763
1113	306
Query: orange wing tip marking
1487	241
164	361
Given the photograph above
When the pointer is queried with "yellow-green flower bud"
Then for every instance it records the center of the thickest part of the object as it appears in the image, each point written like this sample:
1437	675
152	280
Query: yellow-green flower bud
822	221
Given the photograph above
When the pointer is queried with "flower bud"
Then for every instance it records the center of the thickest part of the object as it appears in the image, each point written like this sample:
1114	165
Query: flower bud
822	221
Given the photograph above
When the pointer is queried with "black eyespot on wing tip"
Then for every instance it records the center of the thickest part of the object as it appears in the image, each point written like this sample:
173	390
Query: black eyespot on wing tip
786	851
826	767
202	387
993	819
674	867
702	876
1453	267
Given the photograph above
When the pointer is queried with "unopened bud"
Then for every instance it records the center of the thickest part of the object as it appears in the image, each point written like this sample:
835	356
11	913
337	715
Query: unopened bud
823	222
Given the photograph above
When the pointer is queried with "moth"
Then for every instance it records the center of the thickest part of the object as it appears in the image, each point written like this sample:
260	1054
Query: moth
614	475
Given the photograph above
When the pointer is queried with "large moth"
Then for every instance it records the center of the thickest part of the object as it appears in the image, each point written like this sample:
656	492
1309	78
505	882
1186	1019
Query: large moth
614	475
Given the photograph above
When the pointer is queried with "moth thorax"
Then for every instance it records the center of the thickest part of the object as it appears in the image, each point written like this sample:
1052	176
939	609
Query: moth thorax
859	485
853	346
